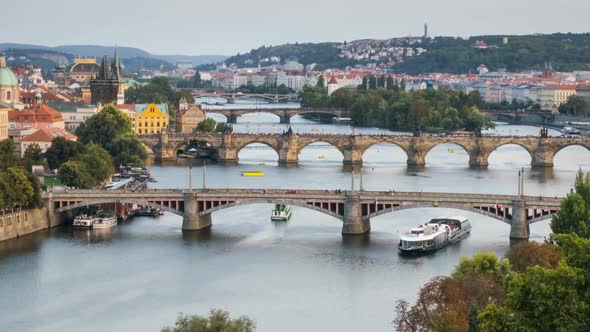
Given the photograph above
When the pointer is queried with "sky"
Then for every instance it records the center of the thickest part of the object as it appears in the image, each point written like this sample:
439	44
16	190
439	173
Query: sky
204	27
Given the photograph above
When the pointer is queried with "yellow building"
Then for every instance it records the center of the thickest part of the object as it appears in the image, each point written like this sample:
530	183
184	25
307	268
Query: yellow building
3	122
151	118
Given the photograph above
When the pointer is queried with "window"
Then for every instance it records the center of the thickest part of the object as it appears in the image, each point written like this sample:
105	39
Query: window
8	95
17	218
26	216
1	222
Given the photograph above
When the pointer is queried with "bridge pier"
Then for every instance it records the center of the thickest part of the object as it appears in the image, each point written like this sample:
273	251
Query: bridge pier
519	226
354	223
285	119
232	118
416	158
353	157
191	220
476	158
543	157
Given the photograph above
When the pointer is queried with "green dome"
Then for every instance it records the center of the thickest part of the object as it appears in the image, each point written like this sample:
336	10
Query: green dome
7	77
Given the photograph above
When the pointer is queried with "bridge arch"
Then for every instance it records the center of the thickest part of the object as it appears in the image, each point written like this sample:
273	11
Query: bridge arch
458	143
339	216
245	144
307	143
567	145
493	149
384	143
87	203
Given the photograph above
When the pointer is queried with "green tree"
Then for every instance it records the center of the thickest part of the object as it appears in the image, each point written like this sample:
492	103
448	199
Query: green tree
321	82
197	82
111	128
62	150
98	162
372	82
208	125
217	321
33	155
527	254
575	105
477	122
127	149
484	262
574	213
7	194
390	83
8	157
24	193
74	174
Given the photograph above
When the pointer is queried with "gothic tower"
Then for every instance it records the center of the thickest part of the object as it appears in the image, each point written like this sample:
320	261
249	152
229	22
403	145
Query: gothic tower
106	88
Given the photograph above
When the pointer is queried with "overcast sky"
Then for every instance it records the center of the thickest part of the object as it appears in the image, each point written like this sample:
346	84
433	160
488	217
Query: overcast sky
226	27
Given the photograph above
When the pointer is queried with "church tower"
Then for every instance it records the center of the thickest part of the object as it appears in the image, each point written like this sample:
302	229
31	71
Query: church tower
106	88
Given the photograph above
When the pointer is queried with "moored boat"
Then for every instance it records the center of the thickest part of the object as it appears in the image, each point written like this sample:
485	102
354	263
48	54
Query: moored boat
434	234
104	219
83	221
281	212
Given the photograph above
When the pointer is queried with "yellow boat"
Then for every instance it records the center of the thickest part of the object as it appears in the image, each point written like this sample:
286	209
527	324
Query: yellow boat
322	157
262	163
252	173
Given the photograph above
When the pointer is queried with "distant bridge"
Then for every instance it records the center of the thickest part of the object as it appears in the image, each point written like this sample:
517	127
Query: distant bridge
289	145
516	116
353	208
284	114
233	96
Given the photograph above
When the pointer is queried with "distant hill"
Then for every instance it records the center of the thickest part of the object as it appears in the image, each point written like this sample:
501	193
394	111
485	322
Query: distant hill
565	51
124	52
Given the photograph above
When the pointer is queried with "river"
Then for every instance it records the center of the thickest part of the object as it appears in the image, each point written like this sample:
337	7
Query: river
297	276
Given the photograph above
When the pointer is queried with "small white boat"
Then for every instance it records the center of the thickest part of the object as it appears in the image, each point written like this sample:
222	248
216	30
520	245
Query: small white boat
281	212
435	234
104	219
83	221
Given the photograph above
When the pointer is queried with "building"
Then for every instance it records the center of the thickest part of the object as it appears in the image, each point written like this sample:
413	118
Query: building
38	116
188	117
107	87
9	87
81	71
74	114
151	118
332	85
43	138
3	122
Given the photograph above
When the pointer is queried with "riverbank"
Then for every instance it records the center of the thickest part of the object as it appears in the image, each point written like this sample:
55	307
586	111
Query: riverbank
23	222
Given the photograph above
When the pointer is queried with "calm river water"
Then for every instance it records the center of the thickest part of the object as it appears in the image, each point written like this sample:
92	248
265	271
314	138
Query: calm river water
299	276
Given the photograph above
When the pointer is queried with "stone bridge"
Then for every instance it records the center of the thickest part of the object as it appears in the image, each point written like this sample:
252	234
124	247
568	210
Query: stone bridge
353	208
288	146
284	114
233	96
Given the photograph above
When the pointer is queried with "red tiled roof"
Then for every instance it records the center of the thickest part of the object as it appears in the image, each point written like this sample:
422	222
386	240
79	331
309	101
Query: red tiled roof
47	135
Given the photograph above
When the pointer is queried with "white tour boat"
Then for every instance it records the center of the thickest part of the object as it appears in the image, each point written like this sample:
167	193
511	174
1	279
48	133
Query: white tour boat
104	219
281	212
83	221
435	234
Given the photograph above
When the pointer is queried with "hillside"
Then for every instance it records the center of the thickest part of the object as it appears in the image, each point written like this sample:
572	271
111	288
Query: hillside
124	52
414	55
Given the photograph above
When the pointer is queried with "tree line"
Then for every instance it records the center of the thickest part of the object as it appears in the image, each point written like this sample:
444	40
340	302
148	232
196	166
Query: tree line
393	108
536	287
19	188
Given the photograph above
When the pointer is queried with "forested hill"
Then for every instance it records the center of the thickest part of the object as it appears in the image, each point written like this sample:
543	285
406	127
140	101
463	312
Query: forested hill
325	55
566	52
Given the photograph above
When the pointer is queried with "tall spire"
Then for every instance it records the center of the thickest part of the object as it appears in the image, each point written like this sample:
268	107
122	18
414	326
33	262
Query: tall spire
116	67
103	74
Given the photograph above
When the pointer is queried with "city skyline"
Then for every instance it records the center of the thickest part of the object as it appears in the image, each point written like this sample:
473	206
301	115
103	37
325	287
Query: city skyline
193	29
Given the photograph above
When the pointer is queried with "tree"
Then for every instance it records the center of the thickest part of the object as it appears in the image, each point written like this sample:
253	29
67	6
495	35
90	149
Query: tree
8	157
440	307
33	155
390	83
321	82
372	82
112	130
62	150
74	174
477	122
575	105
208	125
98	163
574	213
24	193
217	321
197	82
528	254
484	262
7	194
